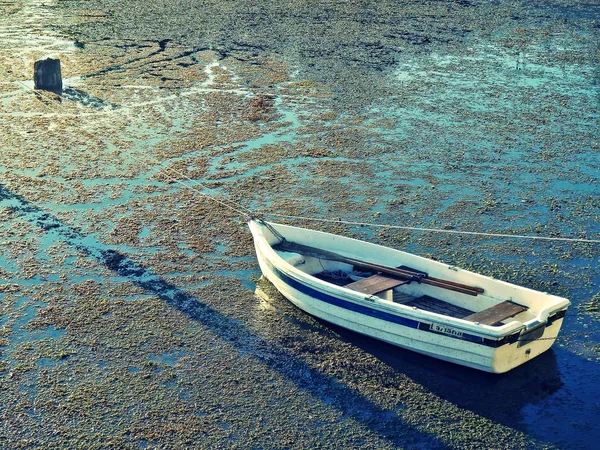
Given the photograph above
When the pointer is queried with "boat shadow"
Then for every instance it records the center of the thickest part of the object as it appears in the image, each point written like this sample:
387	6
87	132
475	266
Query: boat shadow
327	389
85	99
498	397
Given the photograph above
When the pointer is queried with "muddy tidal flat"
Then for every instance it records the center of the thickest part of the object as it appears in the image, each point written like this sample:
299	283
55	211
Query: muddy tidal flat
132	312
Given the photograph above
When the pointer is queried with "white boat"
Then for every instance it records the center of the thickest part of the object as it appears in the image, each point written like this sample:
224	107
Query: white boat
407	300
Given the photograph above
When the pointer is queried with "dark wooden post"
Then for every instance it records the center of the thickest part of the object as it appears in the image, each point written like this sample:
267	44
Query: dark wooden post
47	76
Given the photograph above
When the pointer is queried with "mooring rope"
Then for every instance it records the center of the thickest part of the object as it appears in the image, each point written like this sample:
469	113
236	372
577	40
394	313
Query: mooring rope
252	215
436	230
226	203
562	336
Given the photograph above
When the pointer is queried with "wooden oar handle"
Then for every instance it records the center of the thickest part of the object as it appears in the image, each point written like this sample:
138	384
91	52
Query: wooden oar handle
407	274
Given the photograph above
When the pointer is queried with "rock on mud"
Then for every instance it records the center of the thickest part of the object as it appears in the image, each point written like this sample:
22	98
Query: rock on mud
47	76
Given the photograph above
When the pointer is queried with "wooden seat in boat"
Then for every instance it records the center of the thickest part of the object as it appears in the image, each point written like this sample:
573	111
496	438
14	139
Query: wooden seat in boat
375	284
497	313
438	306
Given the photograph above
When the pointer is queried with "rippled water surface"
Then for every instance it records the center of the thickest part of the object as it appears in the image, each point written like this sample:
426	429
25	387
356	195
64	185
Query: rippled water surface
131	310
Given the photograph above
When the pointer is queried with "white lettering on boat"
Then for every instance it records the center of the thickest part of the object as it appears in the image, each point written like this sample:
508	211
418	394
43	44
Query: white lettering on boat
446	330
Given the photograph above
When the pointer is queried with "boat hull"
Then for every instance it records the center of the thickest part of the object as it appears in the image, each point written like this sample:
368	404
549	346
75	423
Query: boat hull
411	332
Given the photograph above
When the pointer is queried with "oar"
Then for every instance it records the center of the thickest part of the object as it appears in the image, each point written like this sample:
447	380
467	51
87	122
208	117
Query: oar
406	274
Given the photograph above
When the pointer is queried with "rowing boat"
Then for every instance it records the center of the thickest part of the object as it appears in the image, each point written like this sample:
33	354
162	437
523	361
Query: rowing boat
413	302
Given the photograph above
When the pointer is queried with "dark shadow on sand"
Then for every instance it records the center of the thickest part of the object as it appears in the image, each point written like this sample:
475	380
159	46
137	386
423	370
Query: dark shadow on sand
498	397
327	389
85	99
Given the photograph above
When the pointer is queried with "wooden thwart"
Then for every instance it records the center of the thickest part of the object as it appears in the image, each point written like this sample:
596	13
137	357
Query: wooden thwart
497	313
399	272
431	304
375	284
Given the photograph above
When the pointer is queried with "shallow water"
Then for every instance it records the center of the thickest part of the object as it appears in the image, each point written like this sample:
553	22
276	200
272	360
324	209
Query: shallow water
128	314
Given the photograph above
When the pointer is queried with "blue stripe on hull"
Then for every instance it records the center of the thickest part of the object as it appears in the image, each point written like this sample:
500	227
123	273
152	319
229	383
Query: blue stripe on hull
382	315
311	292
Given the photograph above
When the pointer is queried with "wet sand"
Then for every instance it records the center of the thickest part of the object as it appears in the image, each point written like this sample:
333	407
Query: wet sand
131	310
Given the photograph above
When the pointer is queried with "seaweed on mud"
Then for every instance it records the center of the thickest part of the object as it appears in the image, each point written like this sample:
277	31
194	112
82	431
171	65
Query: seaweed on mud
128	317
591	307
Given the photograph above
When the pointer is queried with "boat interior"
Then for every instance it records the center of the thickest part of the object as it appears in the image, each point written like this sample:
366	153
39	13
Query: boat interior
486	310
